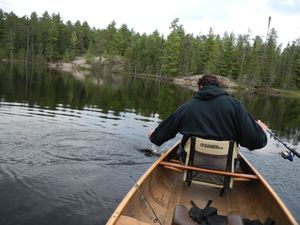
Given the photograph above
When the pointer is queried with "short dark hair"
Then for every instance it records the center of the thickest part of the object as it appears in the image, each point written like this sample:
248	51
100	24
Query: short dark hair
208	80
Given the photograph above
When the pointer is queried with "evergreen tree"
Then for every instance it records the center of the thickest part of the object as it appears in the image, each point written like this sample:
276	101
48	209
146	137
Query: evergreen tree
253	62
227	59
171	57
209	52
242	53
253	77
109	38
269	59
10	35
2	33
152	53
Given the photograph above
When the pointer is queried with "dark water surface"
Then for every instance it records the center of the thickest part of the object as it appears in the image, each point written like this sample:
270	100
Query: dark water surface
69	146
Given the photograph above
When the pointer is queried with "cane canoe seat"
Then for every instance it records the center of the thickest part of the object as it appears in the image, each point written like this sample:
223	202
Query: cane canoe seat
210	154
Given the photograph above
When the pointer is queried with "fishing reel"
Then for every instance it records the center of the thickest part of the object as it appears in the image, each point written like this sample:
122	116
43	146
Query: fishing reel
289	153
286	154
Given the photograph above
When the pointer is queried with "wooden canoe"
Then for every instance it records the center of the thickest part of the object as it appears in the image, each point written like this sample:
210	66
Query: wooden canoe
161	188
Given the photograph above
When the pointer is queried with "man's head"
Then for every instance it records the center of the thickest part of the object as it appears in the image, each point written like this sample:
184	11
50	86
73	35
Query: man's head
208	80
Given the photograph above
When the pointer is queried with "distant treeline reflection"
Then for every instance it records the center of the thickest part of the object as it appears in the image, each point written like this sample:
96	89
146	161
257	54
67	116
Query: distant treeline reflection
109	93
118	94
282	114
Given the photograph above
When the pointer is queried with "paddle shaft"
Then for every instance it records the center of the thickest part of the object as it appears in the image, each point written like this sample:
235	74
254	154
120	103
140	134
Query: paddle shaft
203	170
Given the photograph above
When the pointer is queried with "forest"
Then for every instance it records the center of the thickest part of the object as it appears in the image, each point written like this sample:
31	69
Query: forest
255	61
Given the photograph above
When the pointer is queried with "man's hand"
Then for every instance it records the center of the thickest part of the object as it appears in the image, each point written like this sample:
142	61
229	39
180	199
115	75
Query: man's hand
150	133
263	126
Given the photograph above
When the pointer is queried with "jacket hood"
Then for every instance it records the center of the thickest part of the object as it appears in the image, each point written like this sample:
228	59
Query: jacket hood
209	92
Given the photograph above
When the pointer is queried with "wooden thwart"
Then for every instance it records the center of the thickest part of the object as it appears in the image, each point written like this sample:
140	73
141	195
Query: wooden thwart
162	185
184	167
173	168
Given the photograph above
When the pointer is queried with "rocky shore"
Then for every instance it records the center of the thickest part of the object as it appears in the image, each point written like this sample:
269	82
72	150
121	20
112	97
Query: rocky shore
81	68
190	82
84	66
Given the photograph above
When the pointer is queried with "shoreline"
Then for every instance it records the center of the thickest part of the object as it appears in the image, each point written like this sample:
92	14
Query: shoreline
81	67
191	82
88	65
78	64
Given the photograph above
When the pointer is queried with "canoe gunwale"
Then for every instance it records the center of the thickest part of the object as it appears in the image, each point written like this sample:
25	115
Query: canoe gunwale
285	210
134	189
163	161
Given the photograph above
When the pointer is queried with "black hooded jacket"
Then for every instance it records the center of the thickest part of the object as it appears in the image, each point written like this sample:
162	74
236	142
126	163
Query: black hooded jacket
212	114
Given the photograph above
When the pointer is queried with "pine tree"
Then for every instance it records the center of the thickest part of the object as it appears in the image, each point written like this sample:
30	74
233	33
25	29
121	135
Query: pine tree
171	57
74	50
242	53
227	58
209	51
269	59
254	66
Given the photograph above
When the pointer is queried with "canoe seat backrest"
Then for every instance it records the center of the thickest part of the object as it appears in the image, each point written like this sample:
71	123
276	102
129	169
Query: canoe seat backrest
210	154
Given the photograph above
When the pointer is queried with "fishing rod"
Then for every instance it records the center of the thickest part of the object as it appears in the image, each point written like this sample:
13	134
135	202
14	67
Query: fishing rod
286	154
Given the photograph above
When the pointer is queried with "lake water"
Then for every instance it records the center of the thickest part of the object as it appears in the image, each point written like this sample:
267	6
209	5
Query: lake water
69	145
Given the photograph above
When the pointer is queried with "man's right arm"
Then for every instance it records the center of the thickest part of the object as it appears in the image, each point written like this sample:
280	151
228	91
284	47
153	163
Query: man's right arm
165	131
252	133
263	126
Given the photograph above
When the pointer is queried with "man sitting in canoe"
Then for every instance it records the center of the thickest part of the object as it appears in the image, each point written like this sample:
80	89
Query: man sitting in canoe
212	114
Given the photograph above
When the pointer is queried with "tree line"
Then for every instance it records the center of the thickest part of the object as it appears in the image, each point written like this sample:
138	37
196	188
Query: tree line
252	61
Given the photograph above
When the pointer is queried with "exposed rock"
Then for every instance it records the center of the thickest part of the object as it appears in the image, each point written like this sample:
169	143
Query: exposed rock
79	63
109	65
268	91
80	66
191	82
97	69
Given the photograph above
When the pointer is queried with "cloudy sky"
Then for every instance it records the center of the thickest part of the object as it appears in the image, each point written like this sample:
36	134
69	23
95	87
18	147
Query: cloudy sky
196	16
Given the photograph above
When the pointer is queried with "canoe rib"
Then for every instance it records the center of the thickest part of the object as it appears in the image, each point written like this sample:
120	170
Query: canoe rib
184	167
272	192
271	205
134	189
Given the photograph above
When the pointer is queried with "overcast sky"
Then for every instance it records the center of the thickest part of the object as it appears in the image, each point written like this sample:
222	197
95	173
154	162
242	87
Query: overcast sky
196	16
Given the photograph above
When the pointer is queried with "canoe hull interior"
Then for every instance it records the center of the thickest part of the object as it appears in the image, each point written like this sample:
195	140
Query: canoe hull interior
156	197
